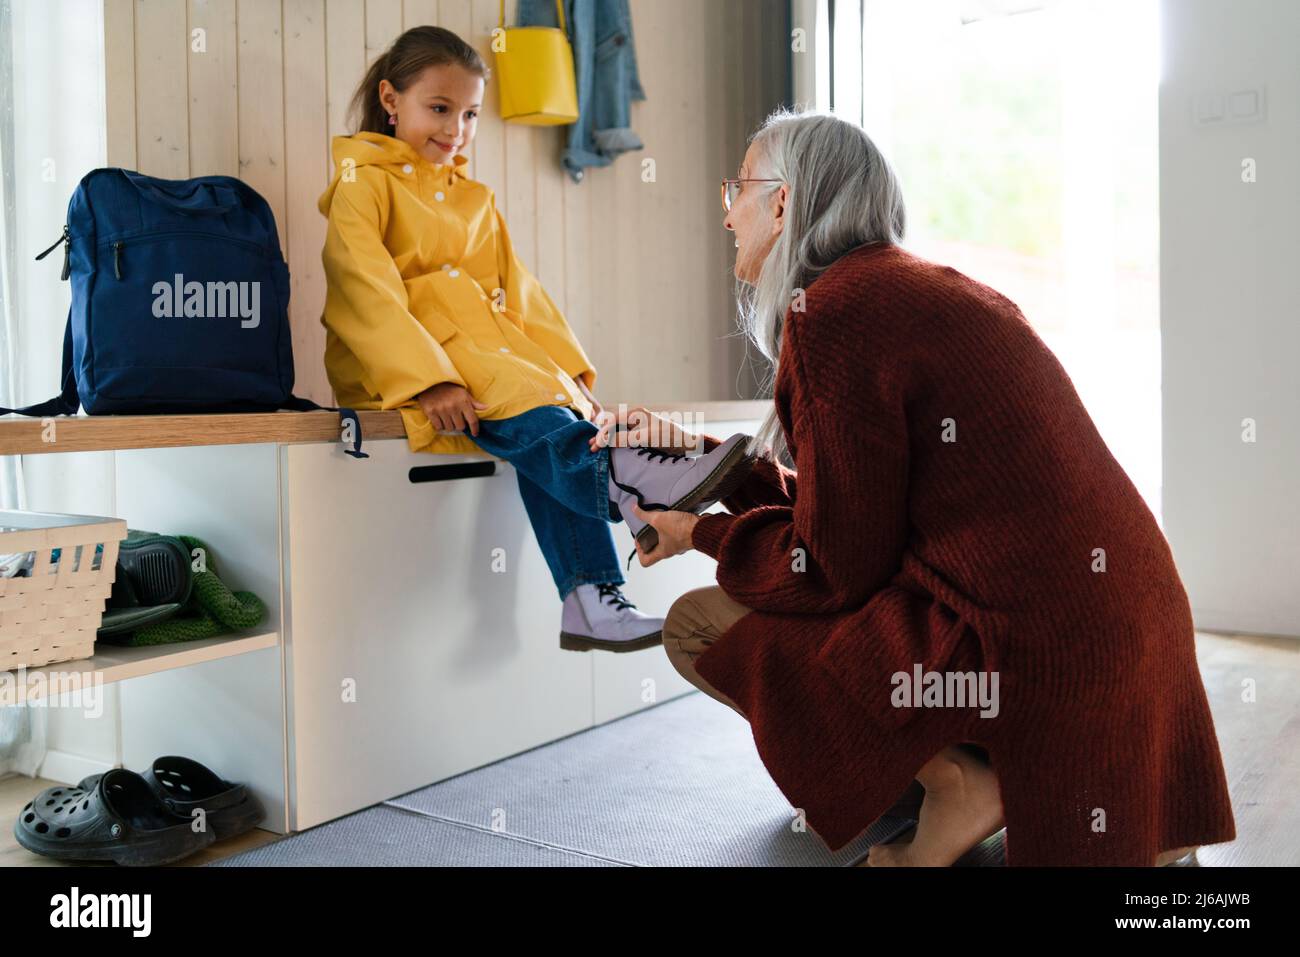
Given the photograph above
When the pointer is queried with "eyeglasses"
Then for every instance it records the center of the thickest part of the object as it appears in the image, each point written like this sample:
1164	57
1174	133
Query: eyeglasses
731	186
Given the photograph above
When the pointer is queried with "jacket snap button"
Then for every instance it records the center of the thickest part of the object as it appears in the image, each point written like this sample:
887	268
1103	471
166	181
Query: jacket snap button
407	168
560	395
504	349
454	273
440	196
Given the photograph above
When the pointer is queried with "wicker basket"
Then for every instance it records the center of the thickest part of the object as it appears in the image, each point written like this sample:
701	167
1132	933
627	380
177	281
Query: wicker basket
53	614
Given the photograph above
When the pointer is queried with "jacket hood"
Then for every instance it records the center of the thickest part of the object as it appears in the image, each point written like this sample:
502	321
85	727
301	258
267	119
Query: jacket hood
376	149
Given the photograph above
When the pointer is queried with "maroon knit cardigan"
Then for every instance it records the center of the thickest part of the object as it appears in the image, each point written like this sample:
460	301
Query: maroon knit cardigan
953	507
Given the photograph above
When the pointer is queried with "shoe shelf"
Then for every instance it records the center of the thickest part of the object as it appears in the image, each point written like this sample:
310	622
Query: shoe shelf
112	663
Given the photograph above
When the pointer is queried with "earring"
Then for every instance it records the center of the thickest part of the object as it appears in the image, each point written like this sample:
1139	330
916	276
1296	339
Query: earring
392	119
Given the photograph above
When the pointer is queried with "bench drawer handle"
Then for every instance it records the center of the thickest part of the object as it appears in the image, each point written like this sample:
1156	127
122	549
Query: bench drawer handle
445	473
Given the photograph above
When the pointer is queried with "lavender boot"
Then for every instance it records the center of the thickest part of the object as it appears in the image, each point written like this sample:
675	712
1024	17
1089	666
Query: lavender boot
664	481
601	617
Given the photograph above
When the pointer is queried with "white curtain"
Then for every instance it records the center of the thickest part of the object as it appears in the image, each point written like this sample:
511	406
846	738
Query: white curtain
22	739
52	132
10	465
22	729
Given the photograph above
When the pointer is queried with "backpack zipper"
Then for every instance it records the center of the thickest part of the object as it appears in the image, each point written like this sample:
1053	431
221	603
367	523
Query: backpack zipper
192	234
157	237
66	240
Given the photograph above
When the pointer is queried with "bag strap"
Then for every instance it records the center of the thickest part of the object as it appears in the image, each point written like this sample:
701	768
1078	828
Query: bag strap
66	402
296	404
559	15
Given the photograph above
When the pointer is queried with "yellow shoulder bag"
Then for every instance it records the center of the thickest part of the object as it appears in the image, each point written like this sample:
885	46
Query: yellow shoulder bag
535	69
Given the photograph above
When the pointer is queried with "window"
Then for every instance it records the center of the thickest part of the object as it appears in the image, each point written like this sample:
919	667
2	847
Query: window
1026	135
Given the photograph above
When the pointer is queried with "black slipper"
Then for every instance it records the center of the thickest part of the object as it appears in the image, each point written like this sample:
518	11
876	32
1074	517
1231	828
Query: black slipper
119	820
184	785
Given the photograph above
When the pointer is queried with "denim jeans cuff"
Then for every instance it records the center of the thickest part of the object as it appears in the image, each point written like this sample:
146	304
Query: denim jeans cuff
616	140
611	577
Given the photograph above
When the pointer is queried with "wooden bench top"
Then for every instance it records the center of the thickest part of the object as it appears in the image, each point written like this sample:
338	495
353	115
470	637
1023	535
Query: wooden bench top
99	433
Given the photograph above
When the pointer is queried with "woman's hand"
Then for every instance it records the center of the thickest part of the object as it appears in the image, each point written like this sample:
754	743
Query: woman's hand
450	407
674	530
647	430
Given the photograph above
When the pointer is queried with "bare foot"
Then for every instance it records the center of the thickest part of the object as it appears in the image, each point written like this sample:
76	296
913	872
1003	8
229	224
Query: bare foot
1168	857
962	807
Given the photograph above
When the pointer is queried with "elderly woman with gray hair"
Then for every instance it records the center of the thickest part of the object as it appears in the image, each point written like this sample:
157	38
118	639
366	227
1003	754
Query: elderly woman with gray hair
956	591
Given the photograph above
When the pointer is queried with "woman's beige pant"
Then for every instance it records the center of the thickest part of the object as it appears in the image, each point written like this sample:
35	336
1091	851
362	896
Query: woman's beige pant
696	620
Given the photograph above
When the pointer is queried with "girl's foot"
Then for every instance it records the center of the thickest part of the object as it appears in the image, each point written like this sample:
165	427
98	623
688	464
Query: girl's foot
601	617
962	806
659	480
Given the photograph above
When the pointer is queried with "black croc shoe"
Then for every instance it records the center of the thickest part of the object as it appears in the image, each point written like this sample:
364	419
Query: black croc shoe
120	819
184	785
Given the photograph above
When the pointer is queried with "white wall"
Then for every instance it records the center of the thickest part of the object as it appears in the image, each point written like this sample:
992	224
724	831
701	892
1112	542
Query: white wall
1230	313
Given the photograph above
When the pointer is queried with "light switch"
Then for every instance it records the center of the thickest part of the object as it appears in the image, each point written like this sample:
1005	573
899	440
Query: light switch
1228	107
1244	104
1209	107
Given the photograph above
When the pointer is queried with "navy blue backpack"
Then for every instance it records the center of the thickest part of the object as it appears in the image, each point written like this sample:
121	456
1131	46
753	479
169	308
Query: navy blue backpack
180	300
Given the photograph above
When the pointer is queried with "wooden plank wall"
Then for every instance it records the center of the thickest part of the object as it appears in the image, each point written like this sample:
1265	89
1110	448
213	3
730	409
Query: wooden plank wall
641	269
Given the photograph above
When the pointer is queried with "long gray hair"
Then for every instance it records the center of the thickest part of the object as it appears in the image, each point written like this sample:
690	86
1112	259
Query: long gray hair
842	194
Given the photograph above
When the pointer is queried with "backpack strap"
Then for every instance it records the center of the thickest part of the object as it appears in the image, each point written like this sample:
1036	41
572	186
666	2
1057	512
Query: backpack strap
66	402
296	404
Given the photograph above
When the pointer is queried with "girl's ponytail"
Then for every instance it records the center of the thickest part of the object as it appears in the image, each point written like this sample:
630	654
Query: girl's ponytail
402	63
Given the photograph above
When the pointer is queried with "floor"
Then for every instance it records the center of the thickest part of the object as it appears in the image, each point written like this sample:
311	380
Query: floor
680	783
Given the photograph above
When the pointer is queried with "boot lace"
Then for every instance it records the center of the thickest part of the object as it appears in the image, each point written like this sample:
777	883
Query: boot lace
658	455
654	455
612	595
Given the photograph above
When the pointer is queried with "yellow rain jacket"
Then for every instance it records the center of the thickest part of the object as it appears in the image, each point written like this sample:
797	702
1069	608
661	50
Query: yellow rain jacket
423	287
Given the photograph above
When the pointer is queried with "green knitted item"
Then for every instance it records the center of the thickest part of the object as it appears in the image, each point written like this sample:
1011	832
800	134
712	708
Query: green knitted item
213	609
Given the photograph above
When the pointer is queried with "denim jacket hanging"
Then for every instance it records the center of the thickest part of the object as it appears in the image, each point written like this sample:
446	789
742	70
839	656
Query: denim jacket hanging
605	66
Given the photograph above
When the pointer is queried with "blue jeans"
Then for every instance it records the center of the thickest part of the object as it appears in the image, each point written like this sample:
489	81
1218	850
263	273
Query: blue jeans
565	488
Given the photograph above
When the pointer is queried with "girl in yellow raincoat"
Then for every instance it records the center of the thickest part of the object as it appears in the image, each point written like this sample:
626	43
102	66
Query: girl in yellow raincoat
429	311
